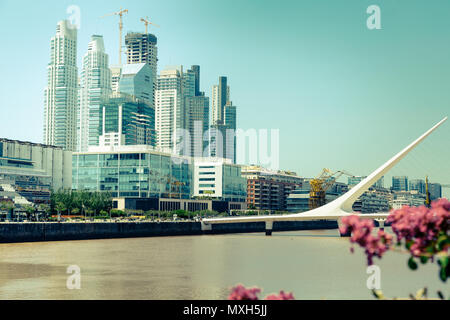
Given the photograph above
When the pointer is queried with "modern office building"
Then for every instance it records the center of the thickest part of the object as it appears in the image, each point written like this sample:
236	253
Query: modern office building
218	178
400	183
269	190
95	86
159	180
137	80
197	109
126	121
133	171
28	171
417	185
61	96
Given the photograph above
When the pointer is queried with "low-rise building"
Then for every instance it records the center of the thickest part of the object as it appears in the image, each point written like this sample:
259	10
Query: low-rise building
219	178
28	171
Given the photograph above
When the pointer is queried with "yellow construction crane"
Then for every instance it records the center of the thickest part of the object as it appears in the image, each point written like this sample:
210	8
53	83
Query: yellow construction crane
147	22
427	193
321	184
120	14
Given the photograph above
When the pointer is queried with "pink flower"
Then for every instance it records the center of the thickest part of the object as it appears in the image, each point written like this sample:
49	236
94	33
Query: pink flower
239	292
282	296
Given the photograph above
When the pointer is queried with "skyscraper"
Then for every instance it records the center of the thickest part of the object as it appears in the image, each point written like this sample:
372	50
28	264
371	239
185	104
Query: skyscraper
169	106
95	86
197	111
220	97
223	128
141	48
137	80
61	96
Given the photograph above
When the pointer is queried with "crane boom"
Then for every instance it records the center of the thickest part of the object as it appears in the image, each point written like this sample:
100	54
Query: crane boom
147	22
119	13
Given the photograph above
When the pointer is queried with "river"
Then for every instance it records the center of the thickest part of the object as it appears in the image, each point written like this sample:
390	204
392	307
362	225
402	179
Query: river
311	264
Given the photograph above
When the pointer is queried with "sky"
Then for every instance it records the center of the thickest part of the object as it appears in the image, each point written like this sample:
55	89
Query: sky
342	96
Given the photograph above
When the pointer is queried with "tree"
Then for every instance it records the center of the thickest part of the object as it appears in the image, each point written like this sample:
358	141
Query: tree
45	208
30	210
60	207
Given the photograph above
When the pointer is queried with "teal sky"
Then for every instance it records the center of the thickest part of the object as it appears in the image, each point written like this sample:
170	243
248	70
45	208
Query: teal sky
343	97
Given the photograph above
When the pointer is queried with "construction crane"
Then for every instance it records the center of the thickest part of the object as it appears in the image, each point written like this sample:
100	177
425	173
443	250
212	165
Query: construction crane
321	184
120	14
147	22
427	193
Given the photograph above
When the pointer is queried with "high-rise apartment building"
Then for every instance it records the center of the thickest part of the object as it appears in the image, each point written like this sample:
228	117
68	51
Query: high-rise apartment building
95	86
61	96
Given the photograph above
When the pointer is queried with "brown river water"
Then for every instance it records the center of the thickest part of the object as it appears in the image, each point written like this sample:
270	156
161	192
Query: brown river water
311	264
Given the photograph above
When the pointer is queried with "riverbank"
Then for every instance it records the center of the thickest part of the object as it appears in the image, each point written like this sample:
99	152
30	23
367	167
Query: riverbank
54	231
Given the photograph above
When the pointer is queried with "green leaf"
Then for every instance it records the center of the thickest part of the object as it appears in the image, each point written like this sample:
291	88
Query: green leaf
423	259
444	272
412	264
409	244
442	241
443	275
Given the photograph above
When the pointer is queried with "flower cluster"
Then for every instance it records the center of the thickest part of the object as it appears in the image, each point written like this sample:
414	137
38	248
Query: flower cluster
424	232
361	233
239	292
423	229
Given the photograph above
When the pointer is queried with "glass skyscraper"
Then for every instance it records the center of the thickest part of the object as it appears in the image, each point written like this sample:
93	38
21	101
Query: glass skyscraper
127	121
